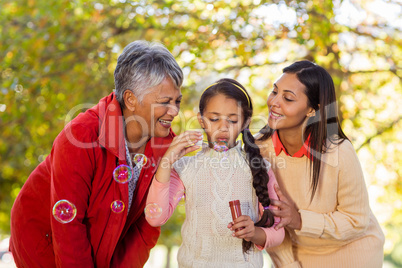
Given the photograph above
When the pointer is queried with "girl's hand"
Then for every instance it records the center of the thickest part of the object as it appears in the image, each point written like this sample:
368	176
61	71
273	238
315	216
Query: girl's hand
180	146
287	211
243	228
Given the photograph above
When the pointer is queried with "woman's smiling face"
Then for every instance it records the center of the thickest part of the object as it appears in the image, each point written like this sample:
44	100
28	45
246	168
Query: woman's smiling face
288	104
160	107
153	116
222	119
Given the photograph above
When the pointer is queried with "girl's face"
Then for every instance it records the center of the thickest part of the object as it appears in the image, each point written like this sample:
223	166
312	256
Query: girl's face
288	104
222	120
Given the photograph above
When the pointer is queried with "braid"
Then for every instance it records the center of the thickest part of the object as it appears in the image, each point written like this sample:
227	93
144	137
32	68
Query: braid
260	181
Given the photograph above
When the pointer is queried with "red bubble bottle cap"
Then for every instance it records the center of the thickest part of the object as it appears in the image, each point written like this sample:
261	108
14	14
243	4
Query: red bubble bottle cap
235	208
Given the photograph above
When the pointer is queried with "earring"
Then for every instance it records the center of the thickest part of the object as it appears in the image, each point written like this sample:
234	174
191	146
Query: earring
311	114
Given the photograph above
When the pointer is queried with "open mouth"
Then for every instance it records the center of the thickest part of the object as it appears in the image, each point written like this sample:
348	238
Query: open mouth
222	140
165	123
274	115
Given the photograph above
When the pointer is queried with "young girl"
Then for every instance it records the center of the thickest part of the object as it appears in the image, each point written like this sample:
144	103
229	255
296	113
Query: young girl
323	197
211	179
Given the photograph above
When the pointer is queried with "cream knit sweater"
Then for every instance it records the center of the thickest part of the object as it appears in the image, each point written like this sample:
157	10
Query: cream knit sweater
338	226
211	181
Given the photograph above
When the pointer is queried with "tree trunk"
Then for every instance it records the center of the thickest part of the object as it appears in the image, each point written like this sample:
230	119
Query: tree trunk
169	249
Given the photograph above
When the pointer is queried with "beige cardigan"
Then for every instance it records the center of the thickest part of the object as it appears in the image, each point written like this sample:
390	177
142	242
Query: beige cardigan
338	226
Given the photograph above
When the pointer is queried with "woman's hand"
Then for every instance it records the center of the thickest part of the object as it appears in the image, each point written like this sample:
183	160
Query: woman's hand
287	211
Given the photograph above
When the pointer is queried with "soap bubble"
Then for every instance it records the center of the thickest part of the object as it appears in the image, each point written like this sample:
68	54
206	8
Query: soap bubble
140	159
117	206
122	174
153	211
180	195
64	211
221	146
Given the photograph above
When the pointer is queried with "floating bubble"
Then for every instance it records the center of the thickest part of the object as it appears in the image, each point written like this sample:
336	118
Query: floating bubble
221	146
140	159
117	206
64	211
19	88
153	211
180	195
122	174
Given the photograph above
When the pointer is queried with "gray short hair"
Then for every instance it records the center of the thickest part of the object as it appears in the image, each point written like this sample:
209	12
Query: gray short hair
142	65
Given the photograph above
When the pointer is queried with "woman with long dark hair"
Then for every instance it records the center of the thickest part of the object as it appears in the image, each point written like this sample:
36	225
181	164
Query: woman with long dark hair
323	200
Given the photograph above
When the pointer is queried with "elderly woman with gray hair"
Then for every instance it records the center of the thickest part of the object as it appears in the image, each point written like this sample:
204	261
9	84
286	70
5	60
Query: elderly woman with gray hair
84	205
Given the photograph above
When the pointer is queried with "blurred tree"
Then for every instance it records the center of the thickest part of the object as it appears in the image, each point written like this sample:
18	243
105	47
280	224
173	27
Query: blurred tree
58	59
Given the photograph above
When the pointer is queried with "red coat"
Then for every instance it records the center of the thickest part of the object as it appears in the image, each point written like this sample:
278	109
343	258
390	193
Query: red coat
79	169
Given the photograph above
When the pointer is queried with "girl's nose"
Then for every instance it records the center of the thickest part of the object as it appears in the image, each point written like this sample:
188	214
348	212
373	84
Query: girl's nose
224	126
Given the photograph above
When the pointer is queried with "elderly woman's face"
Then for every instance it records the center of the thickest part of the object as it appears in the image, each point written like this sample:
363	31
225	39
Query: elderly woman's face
158	109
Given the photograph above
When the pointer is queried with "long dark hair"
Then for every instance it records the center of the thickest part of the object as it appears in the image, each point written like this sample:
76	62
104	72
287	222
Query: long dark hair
324	125
230	88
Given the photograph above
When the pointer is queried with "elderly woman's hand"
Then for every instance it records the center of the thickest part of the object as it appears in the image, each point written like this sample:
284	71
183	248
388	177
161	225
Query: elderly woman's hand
287	211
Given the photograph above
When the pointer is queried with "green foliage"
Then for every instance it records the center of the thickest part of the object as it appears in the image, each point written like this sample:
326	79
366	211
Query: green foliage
58	59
